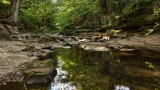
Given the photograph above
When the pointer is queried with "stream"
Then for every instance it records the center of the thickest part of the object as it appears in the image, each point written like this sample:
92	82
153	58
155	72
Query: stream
96	70
78	69
60	80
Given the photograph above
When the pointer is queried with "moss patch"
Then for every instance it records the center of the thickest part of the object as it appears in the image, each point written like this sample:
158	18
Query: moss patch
39	69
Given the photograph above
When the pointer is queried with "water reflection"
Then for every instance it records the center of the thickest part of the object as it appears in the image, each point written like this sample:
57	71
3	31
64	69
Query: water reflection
90	70
135	71
13	86
87	69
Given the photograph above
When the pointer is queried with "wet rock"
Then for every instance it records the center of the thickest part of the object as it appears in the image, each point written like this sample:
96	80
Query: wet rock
95	48
82	46
71	43
95	38
67	47
74	43
84	40
40	72
104	39
126	50
57	45
37	80
42	54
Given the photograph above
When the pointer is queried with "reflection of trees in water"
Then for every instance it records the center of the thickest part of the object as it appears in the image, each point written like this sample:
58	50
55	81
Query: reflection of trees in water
90	70
131	70
86	69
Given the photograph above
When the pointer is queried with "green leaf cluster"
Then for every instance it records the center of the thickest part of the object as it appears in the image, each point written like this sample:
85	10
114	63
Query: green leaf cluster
71	11
45	15
4	6
37	15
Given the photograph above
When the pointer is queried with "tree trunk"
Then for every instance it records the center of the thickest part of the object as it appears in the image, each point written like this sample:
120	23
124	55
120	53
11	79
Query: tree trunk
14	10
103	5
110	7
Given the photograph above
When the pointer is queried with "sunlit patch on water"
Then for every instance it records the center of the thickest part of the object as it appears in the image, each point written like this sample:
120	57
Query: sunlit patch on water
60	81
121	87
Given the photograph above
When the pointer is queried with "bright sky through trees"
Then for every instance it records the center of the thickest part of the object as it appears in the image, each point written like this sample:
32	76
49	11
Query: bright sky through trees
54	1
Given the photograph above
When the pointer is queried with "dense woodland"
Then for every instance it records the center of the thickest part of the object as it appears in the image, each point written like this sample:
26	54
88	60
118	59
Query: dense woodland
104	44
57	15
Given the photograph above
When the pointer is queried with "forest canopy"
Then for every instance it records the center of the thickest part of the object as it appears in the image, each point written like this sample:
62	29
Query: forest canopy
52	15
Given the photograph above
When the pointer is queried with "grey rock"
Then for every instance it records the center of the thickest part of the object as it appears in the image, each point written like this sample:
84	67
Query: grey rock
84	40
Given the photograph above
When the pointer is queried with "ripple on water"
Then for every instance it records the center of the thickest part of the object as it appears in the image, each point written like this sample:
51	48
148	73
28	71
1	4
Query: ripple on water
60	80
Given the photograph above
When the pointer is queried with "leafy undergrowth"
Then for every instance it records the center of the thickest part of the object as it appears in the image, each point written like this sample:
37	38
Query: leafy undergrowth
143	16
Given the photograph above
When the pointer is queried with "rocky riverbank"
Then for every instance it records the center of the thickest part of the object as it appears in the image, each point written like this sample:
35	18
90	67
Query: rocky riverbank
30	58
25	62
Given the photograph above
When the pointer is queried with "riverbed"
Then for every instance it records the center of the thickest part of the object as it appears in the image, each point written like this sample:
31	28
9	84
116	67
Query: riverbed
100	70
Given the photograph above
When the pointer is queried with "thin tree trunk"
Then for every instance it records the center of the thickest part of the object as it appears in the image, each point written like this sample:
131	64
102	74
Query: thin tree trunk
14	10
110	7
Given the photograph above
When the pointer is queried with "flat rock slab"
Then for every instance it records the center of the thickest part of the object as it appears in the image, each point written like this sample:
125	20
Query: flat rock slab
151	42
11	56
93	48
15	56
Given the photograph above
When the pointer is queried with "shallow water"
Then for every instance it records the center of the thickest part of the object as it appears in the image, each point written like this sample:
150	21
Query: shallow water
90	70
84	68
60	81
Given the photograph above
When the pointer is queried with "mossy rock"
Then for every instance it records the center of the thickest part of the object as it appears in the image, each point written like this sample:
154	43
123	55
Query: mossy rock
40	72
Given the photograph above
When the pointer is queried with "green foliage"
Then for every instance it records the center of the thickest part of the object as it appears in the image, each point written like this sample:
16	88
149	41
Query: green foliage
37	16
157	11
157	25
3	6
137	5
71	11
150	65
149	31
45	16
